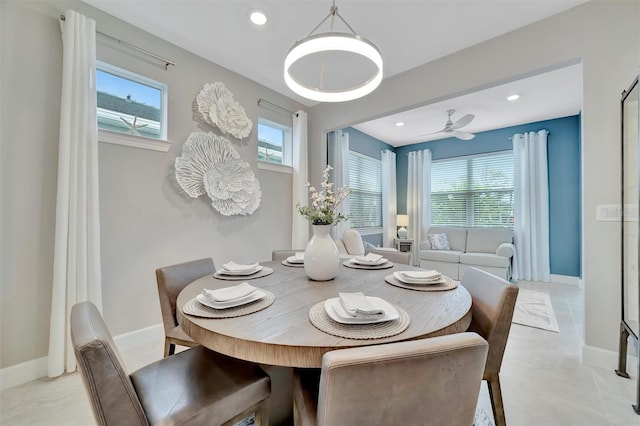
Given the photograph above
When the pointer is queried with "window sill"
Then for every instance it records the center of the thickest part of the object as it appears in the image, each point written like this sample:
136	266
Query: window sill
263	165
133	141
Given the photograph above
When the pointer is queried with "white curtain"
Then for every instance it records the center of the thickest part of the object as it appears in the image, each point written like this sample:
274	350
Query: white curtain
531	208
299	225
389	200
418	196
76	263
338	142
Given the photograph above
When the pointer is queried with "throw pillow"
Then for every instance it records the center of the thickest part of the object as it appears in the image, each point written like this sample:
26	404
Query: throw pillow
439	241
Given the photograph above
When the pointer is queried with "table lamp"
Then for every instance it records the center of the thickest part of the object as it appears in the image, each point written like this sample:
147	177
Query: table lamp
402	221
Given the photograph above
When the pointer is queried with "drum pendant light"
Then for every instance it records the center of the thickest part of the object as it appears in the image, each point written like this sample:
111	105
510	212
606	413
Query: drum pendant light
328	42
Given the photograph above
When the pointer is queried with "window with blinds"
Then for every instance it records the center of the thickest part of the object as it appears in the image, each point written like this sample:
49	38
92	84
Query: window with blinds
365	181
473	191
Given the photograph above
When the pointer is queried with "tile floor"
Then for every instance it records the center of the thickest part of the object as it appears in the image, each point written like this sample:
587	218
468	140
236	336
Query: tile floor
543	380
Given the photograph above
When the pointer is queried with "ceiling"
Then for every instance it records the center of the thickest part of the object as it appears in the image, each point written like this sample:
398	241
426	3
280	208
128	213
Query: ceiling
408	33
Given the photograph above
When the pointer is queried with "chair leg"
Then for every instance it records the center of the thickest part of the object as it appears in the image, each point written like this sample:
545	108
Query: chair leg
493	382
169	348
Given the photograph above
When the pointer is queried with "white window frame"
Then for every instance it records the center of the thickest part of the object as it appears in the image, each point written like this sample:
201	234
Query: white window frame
137	141
372	230
287	148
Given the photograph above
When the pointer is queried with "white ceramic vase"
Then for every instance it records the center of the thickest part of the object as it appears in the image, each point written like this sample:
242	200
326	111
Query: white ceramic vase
321	257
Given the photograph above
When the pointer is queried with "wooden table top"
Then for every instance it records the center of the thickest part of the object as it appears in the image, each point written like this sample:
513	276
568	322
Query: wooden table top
283	335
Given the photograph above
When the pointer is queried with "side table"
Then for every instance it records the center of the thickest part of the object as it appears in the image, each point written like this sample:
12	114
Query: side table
405	245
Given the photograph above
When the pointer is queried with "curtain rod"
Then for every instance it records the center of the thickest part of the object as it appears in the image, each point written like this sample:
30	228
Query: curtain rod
271	105
167	62
511	137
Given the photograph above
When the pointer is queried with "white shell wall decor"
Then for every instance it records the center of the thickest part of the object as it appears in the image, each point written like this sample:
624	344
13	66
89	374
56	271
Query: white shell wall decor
210	165
217	108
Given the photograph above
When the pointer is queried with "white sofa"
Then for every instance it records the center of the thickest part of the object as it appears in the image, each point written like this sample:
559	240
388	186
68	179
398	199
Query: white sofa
488	249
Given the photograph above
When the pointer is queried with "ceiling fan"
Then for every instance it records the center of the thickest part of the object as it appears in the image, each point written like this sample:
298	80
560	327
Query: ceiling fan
451	128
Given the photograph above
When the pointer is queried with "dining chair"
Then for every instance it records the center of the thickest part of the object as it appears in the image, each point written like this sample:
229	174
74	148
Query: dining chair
493	302
193	387
171	280
434	381
280	255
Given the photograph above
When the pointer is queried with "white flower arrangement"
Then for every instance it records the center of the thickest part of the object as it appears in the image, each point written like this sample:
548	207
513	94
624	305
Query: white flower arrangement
322	210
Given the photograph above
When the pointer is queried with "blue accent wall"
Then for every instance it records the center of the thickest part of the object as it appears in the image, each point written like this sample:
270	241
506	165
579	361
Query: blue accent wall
365	144
563	153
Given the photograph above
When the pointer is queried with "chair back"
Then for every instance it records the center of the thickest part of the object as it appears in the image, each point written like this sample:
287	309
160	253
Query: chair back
172	279
280	255
112	396
493	302
432	381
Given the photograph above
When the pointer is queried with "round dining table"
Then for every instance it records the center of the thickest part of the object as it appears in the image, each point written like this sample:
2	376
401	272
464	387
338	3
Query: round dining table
283	335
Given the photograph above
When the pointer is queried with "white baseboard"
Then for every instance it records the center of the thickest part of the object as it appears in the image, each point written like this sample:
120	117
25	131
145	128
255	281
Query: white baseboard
603	358
565	279
23	373
127	344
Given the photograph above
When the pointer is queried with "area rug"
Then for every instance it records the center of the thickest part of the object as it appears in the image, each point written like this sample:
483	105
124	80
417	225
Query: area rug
533	309
482	418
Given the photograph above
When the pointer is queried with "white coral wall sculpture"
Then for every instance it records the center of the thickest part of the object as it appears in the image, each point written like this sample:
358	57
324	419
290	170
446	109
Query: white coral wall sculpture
217	107
210	165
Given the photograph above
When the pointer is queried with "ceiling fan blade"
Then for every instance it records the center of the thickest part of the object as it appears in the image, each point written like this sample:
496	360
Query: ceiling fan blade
463	135
429	134
462	122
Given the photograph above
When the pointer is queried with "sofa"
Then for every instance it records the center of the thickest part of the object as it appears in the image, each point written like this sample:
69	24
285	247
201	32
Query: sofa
490	249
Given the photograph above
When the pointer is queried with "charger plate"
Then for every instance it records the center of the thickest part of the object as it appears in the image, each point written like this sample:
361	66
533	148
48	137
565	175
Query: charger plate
261	273
197	309
449	285
385	265
321	320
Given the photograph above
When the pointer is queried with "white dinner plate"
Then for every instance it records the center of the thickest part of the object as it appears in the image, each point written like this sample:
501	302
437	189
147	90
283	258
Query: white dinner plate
365	263
255	295
295	260
240	273
406	280
337	313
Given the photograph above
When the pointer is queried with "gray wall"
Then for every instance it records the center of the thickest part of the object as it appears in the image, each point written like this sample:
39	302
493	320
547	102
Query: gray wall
603	35
147	221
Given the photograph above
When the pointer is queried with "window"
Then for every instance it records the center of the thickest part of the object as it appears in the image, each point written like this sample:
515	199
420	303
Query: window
365	181
129	106
274	142
473	191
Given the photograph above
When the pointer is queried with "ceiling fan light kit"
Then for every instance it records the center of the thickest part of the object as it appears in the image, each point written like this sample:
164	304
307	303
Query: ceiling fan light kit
327	42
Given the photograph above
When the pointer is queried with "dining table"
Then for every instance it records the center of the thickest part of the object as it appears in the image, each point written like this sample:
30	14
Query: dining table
282	334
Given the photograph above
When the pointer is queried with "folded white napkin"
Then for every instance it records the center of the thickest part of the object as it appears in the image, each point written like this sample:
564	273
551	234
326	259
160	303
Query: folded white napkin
296	258
237	267
369	258
299	255
227	294
422	275
357	305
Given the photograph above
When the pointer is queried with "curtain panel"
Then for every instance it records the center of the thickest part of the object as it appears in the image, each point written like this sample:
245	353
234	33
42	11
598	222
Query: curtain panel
299	225
389	198
419	196
76	264
531	207
338	150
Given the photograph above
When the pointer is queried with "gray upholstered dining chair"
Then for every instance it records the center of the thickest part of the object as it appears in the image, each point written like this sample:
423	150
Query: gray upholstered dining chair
493	302
194	387
280	255
432	381
171	280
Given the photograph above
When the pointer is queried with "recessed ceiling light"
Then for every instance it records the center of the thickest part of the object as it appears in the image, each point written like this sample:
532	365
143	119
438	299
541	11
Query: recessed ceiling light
399	124
513	97
258	17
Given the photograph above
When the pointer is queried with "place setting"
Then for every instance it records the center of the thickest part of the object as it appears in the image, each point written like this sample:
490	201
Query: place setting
295	261
421	280
236	271
369	261
356	316
229	302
